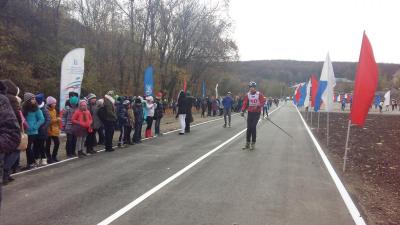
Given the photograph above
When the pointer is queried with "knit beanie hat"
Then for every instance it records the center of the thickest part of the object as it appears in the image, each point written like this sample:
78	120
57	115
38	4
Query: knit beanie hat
51	100
28	96
74	100
82	103
91	96
12	89
40	98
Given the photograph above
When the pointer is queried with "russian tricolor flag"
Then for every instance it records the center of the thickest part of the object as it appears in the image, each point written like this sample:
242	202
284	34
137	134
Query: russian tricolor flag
325	87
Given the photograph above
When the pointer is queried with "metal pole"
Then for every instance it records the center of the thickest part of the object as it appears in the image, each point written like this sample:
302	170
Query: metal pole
307	114
327	129
311	118
347	147
318	120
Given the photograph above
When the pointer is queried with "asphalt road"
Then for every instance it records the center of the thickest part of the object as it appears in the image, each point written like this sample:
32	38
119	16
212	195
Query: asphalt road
283	181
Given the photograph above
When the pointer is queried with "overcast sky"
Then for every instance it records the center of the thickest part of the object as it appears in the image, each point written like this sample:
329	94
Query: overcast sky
308	29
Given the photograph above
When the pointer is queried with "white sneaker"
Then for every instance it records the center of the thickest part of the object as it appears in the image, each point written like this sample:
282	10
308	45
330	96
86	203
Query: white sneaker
43	162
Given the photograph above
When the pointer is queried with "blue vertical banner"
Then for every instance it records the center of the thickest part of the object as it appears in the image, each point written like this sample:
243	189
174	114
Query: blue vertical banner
377	101
148	81
204	89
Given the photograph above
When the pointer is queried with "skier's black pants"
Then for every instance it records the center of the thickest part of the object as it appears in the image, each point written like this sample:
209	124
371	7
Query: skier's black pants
252	120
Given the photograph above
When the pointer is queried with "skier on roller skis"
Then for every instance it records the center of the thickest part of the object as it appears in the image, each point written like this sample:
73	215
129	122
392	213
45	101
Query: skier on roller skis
253	102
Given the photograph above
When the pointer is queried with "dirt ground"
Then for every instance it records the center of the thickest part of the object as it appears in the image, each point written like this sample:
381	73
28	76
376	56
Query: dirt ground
373	168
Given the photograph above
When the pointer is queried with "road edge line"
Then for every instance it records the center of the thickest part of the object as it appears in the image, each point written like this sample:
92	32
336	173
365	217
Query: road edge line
355	214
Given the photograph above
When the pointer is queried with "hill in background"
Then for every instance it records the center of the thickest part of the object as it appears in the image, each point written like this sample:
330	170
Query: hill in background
274	76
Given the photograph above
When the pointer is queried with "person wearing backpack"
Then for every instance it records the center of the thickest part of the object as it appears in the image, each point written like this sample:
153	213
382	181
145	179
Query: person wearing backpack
10	135
71	106
109	119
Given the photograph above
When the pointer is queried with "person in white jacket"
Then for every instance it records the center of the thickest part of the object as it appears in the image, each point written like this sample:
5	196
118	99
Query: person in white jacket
150	107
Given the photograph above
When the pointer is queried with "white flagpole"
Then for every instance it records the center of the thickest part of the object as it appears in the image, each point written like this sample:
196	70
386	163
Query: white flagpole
327	129
347	146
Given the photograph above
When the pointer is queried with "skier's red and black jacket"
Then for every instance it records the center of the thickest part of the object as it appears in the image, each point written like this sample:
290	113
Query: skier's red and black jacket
253	102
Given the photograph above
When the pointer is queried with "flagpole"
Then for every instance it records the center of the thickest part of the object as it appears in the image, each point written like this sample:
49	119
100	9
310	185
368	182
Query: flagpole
347	146
327	129
306	114
318	121
311	118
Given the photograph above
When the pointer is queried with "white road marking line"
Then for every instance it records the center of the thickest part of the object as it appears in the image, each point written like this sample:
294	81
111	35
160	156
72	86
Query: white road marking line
141	198
355	214
102	150
198	124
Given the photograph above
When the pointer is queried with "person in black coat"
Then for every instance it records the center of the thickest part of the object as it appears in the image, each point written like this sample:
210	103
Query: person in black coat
182	109
188	105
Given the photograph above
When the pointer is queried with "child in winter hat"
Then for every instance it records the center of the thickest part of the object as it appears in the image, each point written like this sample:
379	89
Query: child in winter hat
28	96
40	99
50	101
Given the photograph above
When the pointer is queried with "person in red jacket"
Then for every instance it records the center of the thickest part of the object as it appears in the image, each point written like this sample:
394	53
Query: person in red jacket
253	102
81	121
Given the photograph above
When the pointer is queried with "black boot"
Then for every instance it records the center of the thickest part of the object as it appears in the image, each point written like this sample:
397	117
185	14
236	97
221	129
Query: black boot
55	158
6	177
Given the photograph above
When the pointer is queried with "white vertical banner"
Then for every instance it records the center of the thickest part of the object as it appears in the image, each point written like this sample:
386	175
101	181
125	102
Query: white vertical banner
72	68
387	99
216	91
307	99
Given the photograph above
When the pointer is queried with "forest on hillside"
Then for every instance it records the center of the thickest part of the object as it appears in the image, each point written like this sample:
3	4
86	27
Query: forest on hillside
182	39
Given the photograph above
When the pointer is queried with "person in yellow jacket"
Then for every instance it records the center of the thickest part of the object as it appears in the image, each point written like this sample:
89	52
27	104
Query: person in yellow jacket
53	130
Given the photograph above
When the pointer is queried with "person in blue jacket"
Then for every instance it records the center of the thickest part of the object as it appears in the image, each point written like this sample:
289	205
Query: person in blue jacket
35	119
227	102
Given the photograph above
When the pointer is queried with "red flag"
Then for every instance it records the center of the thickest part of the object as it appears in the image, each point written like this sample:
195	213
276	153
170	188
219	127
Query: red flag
365	83
184	85
298	93
314	89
